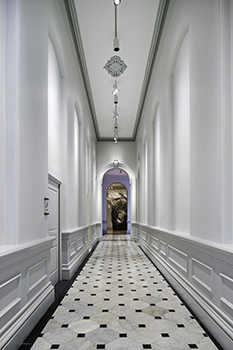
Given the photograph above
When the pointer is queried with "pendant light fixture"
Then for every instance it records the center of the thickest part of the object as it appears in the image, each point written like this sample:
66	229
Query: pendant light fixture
116	44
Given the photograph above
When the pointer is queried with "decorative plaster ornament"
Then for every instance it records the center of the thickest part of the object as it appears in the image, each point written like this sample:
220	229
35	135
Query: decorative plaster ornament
115	66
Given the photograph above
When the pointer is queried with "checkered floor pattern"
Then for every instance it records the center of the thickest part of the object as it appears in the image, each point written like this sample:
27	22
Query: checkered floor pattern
120	301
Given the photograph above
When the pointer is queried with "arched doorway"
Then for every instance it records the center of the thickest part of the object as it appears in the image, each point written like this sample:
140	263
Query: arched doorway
117	199
116	188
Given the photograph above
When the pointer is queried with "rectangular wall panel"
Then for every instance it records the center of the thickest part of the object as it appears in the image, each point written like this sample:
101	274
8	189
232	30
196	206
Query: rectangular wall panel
178	258
10	294
37	275
163	248
203	275
81	242
227	293
72	249
53	259
155	243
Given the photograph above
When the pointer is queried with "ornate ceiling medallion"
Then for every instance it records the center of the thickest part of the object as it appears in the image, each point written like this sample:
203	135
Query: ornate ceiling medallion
115	66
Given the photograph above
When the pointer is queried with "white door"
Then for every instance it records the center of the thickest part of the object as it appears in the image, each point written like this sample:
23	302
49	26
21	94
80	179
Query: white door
54	229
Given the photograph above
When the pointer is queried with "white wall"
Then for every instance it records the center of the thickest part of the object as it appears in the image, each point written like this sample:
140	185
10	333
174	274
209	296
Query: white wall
2	115
30	149
107	152
203	146
191	84
181	112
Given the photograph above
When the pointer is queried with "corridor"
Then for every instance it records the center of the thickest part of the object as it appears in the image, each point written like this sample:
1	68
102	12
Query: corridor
121	301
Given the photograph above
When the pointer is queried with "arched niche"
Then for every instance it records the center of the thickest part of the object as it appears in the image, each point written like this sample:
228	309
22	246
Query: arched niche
112	176
132	190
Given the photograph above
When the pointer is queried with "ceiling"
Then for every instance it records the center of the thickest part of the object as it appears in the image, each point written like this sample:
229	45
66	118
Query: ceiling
139	27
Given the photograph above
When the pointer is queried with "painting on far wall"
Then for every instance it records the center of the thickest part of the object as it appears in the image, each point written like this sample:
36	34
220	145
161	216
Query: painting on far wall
117	207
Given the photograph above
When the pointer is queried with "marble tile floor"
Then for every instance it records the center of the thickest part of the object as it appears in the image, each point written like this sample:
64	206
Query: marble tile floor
120	301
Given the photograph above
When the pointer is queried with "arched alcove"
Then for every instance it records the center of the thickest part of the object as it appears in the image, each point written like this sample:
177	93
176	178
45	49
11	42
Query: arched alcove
110	177
180	134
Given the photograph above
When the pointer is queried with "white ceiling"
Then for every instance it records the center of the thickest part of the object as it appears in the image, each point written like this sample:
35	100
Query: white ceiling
138	25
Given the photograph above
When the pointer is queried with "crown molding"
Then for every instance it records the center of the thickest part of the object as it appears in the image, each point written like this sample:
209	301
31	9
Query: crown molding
69	12
162	19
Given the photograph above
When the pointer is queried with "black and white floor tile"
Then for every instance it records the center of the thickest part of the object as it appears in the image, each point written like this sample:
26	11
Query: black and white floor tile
121	301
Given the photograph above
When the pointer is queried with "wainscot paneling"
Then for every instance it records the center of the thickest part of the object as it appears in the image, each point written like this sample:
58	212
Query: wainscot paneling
227	294
202	275
26	291
201	272
76	246
178	259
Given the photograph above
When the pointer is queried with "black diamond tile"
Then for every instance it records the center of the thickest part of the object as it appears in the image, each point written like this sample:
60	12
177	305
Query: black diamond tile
86	317
55	346
105	310
153	304
64	325
122	317
121	304
180	325
146	346
142	325
103	326
137	310
81	335
90	304
165	335
193	346
100	346
205	335
172	310
123	335
158	317
106	299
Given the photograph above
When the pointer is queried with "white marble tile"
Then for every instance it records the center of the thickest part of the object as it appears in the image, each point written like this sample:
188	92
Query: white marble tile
84	326
124	344
144	335
116	273
41	344
60	335
78	344
102	335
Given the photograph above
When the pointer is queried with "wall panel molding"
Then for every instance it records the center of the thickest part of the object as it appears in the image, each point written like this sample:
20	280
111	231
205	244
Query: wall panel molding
178	259
26	291
201	274
76	245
